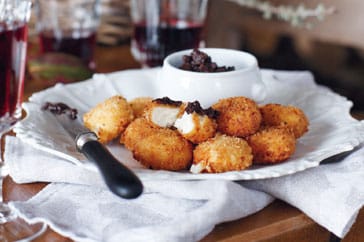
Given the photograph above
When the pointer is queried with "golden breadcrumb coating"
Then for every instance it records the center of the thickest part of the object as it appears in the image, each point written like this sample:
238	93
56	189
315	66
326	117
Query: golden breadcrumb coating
290	116
157	148
137	130
201	127
138	105
109	118
272	145
239	116
221	154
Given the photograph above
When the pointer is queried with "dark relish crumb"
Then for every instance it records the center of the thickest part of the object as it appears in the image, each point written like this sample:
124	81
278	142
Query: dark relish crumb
196	107
60	108
199	61
167	100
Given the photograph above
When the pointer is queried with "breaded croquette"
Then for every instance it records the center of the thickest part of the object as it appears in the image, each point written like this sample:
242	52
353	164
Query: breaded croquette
221	154
163	112
238	116
197	124
138	105
137	130
157	148
109	118
272	145
290	116
231	135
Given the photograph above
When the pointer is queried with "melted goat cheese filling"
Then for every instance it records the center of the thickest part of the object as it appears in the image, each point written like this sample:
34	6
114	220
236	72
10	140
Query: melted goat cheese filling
164	116
185	124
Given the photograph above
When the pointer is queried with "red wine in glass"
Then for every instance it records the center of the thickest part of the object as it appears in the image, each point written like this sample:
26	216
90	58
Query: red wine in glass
13	41
81	46
154	43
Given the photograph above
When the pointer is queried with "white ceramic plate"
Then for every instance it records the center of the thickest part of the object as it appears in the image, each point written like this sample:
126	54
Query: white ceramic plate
332	130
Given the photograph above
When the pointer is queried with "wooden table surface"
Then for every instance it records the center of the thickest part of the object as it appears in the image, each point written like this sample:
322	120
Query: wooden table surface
278	222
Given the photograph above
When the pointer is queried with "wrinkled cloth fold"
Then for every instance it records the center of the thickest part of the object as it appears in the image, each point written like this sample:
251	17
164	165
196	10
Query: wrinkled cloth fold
78	205
330	194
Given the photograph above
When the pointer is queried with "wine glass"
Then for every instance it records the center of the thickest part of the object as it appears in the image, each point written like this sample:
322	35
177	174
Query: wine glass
14	16
69	27
161	27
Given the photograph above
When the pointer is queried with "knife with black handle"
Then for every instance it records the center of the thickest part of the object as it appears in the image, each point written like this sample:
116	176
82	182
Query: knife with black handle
119	178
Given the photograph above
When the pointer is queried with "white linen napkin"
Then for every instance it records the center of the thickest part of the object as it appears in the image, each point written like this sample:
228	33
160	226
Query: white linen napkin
78	205
331	194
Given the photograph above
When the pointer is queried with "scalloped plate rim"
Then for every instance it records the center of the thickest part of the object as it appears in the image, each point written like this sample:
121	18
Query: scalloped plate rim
249	174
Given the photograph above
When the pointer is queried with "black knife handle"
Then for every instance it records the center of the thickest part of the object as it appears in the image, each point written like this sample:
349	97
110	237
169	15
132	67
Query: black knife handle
120	179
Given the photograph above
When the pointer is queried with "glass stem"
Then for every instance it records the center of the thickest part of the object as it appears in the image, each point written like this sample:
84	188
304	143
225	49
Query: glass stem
6	213
1	166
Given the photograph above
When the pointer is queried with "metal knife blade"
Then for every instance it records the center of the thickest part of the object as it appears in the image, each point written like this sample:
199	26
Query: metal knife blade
120	179
339	157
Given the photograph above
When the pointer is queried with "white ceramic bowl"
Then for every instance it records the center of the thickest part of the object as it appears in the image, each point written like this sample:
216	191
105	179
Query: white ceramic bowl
208	88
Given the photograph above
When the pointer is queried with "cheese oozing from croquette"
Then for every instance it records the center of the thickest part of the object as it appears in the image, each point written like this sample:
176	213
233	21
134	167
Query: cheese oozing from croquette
197	168
185	124
164	116
196	127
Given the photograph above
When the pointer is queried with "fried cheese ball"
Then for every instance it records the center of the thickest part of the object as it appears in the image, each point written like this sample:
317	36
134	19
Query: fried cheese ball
196	128
163	112
238	116
290	116
137	130
138	105
221	154
197	124
109	118
157	148
272	145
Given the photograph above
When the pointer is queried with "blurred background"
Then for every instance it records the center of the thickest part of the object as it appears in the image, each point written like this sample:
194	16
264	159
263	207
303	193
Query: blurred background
332	48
